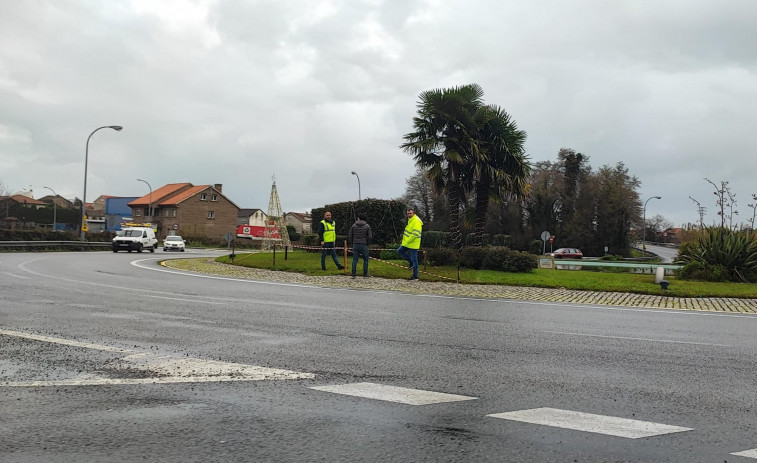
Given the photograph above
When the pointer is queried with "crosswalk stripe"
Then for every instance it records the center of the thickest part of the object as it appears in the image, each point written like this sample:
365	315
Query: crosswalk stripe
396	394
747	453
601	424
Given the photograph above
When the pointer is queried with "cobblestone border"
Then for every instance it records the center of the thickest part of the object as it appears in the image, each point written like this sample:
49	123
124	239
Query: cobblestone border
523	293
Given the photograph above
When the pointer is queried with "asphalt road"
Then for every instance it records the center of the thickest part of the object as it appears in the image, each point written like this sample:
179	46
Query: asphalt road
111	357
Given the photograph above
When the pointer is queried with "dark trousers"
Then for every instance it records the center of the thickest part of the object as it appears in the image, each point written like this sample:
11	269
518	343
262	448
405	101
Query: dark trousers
411	256
329	249
360	250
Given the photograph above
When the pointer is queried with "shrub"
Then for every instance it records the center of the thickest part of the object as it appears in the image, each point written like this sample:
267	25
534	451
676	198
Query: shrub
611	258
521	262
472	257
502	240
496	257
435	239
442	257
735	252
391	254
696	270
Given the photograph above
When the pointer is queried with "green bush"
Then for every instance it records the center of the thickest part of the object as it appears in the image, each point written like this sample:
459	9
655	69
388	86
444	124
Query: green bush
611	258
696	270
495	257
442	257
435	239
387	218
502	240
472	257
391	254
310	240
721	251
521	262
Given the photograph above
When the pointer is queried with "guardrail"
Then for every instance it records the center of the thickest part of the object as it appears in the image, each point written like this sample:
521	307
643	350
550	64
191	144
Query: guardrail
41	245
631	266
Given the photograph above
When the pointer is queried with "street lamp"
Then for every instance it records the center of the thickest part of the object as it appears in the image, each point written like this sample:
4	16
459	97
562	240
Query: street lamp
644	227
86	158
149	207
55	207
358	184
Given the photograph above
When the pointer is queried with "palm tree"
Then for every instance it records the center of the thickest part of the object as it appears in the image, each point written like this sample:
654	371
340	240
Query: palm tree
502	170
444	142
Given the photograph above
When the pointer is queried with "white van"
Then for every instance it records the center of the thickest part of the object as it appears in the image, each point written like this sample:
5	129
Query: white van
136	239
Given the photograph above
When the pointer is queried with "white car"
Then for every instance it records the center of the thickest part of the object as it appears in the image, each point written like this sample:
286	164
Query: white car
173	243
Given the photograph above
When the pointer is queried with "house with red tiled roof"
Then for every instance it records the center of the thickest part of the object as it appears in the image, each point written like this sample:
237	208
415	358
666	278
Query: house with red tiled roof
302	222
24	201
192	211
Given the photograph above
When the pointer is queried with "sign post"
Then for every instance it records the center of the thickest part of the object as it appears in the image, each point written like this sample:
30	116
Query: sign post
544	237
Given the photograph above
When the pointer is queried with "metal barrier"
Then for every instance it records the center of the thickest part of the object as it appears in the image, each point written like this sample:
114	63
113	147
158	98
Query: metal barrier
73	245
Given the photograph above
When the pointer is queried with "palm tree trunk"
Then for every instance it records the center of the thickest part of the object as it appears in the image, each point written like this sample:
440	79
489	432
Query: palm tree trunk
482	207
453	197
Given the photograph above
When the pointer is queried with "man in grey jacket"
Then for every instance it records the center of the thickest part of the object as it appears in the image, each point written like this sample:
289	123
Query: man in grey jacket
360	236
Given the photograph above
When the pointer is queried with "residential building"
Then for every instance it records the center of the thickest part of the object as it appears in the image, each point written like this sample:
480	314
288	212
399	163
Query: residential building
302	222
253	217
194	211
60	201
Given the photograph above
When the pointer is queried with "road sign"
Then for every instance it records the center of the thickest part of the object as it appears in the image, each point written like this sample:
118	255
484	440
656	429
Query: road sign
545	235
551	238
84	227
175	226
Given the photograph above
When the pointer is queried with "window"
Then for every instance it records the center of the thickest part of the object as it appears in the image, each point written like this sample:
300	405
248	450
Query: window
171	212
214	197
203	197
211	215
138	212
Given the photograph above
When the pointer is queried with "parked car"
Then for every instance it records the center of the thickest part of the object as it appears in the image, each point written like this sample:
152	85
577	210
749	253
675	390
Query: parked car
566	253
174	243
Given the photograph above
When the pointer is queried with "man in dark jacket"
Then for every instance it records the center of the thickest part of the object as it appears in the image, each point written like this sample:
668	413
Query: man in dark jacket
360	236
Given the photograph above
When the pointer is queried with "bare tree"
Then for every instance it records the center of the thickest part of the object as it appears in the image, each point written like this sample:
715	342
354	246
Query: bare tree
419	192
754	211
5	191
658	224
721	201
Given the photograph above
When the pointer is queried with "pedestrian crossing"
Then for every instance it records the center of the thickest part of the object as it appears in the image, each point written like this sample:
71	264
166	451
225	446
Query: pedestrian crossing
160	369
396	394
545	416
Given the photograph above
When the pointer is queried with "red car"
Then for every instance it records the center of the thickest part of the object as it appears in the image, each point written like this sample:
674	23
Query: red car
567	253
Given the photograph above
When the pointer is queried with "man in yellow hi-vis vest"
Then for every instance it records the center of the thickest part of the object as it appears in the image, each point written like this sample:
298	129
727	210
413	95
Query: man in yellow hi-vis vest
411	241
327	234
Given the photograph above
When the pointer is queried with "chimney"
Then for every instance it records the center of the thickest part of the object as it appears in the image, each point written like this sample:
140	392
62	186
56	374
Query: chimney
218	187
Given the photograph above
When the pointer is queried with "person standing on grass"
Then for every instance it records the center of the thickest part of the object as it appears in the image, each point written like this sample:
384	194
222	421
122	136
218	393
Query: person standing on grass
360	237
327	235
411	242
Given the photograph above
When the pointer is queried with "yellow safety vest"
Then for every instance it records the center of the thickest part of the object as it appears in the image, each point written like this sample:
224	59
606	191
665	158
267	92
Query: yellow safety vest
411	238
329	233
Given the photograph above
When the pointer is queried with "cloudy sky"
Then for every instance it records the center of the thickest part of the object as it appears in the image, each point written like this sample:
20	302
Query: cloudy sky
236	91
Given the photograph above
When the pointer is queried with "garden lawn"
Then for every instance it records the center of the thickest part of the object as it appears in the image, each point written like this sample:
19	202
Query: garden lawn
310	264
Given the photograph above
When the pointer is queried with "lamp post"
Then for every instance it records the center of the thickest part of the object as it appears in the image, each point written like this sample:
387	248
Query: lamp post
55	207
149	207
86	159
358	184
644	227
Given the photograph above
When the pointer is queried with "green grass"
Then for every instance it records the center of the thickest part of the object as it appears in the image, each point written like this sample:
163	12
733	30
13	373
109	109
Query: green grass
310	264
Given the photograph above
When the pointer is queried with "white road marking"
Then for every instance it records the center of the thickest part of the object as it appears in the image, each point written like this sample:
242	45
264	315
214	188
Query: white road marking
747	453
17	276
638	339
161	369
401	395
66	342
601	424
